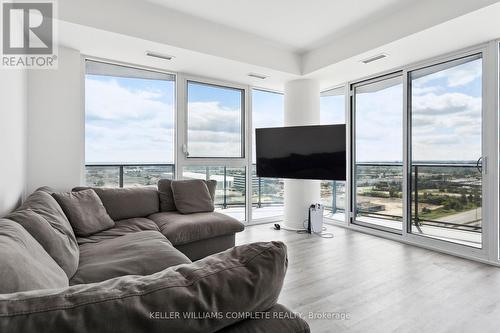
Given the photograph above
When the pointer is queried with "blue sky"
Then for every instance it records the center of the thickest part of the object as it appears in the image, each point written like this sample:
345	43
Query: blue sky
214	121
132	120
228	98
128	120
446	118
267	111
446	114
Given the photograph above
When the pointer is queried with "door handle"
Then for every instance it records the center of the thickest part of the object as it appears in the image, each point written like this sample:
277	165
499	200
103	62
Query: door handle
482	162
185	150
479	167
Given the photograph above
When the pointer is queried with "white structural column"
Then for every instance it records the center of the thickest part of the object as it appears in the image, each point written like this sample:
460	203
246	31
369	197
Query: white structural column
302	99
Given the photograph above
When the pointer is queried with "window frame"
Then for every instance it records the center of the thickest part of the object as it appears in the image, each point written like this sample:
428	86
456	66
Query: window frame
447	64
263	220
182	133
344	87
83	61
214	84
491	231
351	182
490	253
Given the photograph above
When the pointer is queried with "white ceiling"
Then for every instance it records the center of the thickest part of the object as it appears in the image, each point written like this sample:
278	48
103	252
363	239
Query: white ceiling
301	24
111	46
208	46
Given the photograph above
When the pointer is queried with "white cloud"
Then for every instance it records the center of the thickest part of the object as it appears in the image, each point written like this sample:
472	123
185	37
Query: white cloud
107	100
214	130
127	125
447	103
211	116
457	76
379	125
446	127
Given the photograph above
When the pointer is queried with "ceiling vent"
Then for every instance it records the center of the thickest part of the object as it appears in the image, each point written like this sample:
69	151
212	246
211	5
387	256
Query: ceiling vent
374	58
258	76
159	55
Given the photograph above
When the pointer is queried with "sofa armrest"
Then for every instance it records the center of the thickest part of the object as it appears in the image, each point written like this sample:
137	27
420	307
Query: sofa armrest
246	278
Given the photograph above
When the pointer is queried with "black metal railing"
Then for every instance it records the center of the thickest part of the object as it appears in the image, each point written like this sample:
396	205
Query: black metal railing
447	178
122	175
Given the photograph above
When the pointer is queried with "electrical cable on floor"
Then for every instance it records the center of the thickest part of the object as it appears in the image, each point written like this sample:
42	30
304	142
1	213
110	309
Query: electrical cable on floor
321	233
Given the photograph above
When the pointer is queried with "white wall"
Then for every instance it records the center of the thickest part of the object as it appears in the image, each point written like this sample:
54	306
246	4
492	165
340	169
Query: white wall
302	98
56	124
12	138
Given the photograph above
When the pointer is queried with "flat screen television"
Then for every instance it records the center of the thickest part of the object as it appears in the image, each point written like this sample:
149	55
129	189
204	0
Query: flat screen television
302	152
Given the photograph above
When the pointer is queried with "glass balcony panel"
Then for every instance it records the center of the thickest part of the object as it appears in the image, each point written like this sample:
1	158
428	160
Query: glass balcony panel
230	193
102	176
146	175
446	149
267	197
446	203
378	167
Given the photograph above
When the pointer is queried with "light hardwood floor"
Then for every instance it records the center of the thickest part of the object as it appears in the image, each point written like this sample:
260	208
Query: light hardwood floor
383	285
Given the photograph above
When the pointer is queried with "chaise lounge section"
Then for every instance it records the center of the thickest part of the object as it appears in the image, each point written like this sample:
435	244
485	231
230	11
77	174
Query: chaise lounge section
196	235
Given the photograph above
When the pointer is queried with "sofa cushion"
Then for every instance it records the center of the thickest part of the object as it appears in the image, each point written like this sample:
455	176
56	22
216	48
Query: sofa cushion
192	196
121	228
244	279
138	253
24	264
167	202
126	203
182	229
44	219
85	211
205	247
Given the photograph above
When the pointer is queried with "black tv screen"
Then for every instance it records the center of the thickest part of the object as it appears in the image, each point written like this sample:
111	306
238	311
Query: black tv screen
302	152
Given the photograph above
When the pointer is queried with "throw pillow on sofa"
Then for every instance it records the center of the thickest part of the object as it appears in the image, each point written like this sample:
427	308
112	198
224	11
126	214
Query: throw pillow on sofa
192	196
24	264
167	203
85	211
126	203
44	219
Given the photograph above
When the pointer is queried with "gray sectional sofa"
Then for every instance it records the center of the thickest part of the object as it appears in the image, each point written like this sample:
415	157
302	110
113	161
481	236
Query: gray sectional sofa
153	270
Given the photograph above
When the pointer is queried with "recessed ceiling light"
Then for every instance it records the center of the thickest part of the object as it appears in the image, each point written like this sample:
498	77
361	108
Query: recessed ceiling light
159	55
258	76
374	58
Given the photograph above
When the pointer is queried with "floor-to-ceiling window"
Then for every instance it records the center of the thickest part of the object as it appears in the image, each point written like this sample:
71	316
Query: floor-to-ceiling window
214	121
267	193
332	112
446	150
377	127
129	125
215	142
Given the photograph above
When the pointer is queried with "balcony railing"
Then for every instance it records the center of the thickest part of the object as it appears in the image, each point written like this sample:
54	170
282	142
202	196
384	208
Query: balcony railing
450	188
438	185
266	192
123	175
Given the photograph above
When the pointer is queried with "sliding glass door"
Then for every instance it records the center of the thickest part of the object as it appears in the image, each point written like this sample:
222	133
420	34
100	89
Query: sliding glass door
445	104
377	158
267	193
427	168
332	112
